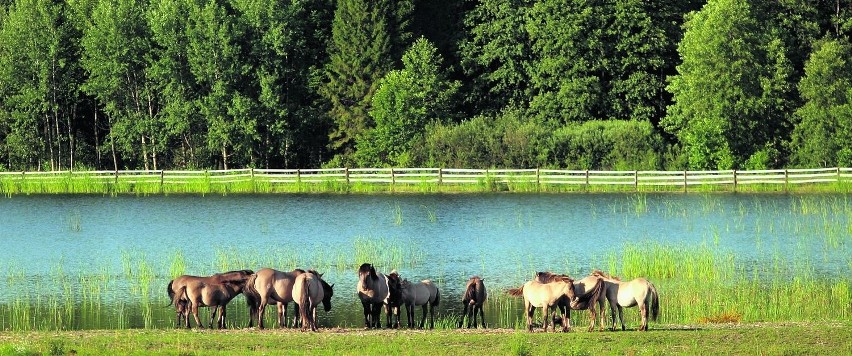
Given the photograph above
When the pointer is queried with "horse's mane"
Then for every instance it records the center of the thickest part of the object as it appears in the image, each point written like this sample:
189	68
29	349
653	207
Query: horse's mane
601	274
367	268
470	288
242	271
300	270
549	277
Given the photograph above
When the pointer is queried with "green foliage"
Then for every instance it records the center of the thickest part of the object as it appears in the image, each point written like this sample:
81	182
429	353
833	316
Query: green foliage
730	93
495	53
406	101
176	84
502	141
824	129
607	145
359	56
37	84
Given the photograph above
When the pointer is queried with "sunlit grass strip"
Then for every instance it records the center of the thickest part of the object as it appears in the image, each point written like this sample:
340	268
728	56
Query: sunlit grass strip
249	181
701	284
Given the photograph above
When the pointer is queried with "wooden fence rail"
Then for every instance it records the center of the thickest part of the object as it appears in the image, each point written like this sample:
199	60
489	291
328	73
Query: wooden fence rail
448	176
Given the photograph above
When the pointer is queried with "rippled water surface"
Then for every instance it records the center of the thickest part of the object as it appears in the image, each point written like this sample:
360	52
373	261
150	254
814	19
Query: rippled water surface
68	245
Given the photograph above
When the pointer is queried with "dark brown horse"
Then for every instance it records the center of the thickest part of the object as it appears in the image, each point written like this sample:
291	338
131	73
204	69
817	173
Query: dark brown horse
267	287
474	297
374	291
394	305
190	292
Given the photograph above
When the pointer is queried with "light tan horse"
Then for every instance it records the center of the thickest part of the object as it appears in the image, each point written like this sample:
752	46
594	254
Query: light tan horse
544	295
638	292
590	294
267	287
374	291
309	290
474	297
423	293
188	293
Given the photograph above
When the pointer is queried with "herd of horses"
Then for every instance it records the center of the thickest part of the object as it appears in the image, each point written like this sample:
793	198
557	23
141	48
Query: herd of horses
377	291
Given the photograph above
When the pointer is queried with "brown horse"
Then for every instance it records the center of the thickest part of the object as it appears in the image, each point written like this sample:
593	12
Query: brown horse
309	289
590	293
638	292
190	292
474	297
544	295
423	293
267	287
374	291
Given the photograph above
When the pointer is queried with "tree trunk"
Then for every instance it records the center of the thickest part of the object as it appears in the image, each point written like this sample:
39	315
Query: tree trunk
112	146
144	152
224	158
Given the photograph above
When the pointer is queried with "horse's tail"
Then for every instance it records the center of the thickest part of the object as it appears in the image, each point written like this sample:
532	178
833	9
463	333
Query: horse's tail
170	292
655	302
251	293
516	292
304	300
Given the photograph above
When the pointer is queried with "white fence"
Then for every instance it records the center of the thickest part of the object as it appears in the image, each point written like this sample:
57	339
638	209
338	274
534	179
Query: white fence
402	176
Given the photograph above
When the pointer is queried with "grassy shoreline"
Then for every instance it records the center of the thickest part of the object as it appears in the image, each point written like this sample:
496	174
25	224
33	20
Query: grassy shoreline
764	338
59	186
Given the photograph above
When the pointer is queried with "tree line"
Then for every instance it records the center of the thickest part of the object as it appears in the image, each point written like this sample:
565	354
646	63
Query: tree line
586	84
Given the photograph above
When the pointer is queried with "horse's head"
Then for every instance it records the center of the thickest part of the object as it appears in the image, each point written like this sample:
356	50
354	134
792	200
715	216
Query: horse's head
394	288
328	292
366	270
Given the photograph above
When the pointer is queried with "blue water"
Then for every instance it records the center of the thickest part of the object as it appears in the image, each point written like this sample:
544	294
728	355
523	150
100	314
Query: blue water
451	236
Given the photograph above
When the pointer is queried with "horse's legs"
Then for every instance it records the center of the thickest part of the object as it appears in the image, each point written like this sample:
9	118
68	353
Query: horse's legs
297	321
621	317
530	310
431	316
195	315
481	315
593	315
568	318
643	312
464	314
222	316
375	315
545	315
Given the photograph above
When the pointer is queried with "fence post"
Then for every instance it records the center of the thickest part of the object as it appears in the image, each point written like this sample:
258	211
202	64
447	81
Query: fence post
393	179
346	173
253	183
786	181
587	179
684	181
116	177
839	177
162	181
735	180
538	179
299	180
440	176
636	181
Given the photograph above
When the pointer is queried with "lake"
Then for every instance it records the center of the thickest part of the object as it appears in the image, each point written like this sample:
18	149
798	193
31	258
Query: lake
103	262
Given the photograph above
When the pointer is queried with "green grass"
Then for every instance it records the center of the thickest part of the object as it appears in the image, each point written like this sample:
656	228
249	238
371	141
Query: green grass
85	183
764	339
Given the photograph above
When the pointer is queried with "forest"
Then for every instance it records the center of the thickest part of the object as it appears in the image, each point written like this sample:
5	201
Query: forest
577	84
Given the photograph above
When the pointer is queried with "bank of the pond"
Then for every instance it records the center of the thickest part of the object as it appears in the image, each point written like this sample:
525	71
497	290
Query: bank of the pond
763	339
419	180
